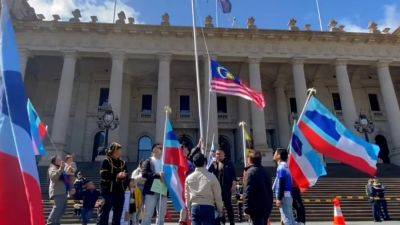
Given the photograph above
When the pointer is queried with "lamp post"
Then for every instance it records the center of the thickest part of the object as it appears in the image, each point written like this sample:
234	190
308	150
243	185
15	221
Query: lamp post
364	125
106	121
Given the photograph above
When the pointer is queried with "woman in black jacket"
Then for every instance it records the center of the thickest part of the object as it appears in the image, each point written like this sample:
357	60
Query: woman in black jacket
257	193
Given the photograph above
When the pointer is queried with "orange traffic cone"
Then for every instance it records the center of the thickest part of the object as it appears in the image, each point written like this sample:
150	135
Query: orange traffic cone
338	218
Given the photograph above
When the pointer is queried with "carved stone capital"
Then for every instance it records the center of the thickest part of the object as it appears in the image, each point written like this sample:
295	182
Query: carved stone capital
383	63
297	60
24	52
164	57
254	60
71	54
118	55
341	62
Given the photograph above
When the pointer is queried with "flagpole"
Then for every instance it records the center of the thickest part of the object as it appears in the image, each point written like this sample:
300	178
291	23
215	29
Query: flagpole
216	13
242	125
197	73
167	112
115	9
310	93
209	99
319	15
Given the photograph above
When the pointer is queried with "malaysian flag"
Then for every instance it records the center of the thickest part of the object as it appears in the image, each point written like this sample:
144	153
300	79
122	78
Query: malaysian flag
224	82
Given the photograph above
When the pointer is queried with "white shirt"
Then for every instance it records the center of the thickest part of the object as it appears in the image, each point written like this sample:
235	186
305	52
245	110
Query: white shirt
158	167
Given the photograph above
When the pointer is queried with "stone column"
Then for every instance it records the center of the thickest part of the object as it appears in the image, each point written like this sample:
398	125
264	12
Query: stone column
283	115
163	94
213	115
116	87
391	108
61	116
80	119
257	115
346	94
299	79
24	57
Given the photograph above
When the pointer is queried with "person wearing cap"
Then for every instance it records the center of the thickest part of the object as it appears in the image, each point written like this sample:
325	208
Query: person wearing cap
113	183
203	193
225	172
152	170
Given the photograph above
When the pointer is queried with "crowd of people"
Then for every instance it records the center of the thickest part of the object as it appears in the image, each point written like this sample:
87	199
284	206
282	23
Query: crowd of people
209	187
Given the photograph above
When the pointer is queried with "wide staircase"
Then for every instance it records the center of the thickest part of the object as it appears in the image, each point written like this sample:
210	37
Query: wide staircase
342	182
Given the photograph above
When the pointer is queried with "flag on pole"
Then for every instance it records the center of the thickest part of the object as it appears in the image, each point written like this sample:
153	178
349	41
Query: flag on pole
226	6
329	137
211	155
305	164
38	130
224	82
249	142
20	197
175	167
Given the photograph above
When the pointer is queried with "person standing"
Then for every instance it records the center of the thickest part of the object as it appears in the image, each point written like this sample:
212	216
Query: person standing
183	217
202	193
89	197
380	205
153	169
257	193
113	183
57	190
283	187
224	170
298	205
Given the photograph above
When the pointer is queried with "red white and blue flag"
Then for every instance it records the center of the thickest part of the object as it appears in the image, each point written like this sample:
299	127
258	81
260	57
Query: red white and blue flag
224	82
38	130
328	136
20	197
176	167
305	164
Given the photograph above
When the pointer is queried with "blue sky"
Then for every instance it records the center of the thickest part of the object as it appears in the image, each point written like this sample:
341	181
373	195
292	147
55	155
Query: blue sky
269	14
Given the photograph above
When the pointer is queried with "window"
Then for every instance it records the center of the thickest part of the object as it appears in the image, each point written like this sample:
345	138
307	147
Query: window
145	145
185	105
337	105
293	105
103	98
374	103
221	104
146	103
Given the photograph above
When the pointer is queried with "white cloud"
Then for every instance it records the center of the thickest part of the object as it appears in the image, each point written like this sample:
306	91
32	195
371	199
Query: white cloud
103	9
391	19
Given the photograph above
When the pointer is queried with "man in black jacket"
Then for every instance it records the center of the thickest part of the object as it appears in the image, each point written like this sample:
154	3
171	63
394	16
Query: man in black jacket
257	193
224	170
114	181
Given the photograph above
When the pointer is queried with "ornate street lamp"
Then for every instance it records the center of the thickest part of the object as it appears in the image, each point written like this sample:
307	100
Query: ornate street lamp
364	125
106	121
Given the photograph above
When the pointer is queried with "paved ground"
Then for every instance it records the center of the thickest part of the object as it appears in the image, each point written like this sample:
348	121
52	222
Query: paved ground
320	223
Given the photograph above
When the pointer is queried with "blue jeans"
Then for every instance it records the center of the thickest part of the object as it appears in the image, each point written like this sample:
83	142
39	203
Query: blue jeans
86	215
286	211
203	215
152	202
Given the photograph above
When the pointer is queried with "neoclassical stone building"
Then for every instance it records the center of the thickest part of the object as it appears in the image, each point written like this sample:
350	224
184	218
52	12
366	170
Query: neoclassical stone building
72	67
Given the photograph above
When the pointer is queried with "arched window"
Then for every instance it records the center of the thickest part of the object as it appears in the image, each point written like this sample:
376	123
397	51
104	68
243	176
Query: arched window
98	144
384	152
225	145
145	144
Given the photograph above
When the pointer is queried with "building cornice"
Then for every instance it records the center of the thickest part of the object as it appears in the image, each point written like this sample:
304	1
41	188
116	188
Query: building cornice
181	31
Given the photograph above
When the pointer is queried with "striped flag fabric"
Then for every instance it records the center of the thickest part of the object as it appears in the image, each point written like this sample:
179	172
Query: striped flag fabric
211	155
20	197
249	142
38	130
224	82
175	167
305	164
327	135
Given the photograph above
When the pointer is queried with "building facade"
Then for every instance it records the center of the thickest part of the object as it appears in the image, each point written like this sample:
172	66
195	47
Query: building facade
72	68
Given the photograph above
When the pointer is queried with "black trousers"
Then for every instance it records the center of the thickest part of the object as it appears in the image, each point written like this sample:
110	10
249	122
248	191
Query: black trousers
299	206
114	201
258	220
227	199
